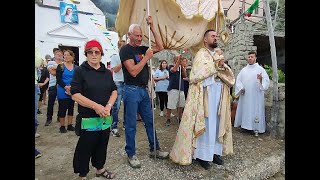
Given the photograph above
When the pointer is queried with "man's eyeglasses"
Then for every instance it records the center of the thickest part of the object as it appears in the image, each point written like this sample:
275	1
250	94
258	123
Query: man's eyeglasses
95	52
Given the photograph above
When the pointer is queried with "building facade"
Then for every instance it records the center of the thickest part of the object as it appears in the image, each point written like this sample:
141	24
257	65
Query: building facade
52	32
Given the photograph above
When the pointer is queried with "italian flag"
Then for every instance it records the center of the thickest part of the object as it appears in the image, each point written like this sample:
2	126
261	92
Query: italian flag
252	8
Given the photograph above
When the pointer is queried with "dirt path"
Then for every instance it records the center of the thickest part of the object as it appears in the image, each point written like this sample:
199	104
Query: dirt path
58	149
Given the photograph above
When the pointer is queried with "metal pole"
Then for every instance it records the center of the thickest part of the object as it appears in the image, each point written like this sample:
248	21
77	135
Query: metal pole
179	92
242	10
275	102
275	15
151	90
217	17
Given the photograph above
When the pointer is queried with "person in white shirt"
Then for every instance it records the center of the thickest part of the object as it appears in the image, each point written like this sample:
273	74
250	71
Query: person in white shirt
116	68
161	77
52	91
251	83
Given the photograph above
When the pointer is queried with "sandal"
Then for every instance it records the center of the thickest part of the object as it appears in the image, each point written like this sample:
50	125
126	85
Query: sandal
109	175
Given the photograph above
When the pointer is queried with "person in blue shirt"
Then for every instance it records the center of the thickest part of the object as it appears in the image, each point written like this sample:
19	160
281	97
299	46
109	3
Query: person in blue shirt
161	77
64	75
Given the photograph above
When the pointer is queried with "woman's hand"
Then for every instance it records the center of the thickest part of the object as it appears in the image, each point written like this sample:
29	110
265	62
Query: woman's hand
101	111
108	109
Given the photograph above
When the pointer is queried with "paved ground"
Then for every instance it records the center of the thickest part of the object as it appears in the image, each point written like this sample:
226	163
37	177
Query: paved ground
254	158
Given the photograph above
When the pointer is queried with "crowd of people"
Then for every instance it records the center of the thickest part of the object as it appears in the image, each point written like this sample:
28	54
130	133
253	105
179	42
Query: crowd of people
201	97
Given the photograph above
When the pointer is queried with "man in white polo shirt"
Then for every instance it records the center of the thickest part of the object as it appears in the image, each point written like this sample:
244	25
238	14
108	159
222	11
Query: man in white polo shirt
52	91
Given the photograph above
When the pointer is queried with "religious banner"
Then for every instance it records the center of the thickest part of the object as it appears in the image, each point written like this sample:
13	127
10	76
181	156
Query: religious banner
68	13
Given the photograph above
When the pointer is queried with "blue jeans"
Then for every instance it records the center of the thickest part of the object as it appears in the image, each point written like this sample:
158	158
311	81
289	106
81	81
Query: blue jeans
136	99
36	99
116	106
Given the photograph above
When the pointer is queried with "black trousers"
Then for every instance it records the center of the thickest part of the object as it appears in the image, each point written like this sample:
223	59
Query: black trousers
163	97
91	144
64	105
52	95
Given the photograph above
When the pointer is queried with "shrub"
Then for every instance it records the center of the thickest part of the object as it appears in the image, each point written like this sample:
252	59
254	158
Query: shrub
281	75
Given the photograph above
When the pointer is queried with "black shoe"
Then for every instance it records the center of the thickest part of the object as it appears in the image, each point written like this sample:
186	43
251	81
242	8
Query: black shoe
39	112
62	129
48	122
247	131
204	164
70	127
217	160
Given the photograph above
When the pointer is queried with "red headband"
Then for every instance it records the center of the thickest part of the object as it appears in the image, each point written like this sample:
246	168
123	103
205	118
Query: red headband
93	43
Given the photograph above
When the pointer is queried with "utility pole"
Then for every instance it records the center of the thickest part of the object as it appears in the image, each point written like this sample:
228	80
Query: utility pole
242	10
275	15
275	102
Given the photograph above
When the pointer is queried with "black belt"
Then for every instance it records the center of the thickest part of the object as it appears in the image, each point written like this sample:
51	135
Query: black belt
140	86
52	88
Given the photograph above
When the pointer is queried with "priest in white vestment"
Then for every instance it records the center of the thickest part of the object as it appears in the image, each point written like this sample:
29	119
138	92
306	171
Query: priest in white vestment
251	83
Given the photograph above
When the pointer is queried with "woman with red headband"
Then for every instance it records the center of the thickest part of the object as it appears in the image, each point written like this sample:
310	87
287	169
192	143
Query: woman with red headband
93	88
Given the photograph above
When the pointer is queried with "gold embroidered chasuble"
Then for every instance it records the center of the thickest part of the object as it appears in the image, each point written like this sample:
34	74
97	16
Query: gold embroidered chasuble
192	124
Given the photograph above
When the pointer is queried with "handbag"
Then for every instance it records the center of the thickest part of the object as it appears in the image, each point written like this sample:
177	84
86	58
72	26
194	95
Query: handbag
78	125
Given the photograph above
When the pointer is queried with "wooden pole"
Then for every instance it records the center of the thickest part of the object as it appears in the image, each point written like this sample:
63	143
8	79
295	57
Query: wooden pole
275	102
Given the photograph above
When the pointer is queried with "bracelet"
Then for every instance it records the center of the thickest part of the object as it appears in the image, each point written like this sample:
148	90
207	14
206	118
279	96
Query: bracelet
109	104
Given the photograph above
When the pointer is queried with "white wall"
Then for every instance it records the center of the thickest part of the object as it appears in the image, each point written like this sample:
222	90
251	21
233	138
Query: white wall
48	19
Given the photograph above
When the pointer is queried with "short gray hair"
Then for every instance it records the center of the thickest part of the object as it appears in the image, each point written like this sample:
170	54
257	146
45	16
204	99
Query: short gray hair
133	26
47	56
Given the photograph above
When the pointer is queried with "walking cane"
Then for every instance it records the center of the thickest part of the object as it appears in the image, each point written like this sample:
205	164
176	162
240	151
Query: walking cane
151	89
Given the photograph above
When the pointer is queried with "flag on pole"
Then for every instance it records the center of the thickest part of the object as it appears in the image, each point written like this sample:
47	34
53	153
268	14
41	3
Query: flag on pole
253	6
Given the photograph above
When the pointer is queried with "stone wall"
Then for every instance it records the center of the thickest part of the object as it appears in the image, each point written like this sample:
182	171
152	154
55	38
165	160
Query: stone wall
268	107
240	45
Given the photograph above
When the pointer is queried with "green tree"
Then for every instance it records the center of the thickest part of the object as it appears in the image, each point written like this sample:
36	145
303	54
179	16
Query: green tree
280	19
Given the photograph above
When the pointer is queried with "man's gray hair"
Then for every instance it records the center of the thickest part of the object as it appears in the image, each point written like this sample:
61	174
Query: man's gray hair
133	26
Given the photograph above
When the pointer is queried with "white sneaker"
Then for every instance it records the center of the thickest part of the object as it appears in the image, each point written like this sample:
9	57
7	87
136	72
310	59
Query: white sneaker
161	113
134	162
37	135
172	115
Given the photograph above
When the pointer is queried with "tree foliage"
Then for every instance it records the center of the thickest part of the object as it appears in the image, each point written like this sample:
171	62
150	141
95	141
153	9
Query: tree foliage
280	19
109	8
